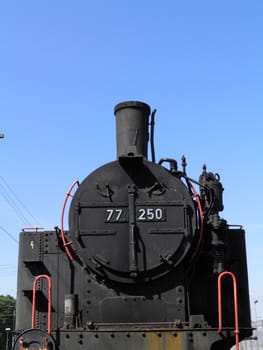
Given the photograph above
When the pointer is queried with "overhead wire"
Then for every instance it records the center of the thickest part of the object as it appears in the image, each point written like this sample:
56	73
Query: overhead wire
17	206
20	202
6	269
8	234
13	205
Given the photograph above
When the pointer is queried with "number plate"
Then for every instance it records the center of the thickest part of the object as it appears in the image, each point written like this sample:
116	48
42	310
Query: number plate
150	214
143	214
116	215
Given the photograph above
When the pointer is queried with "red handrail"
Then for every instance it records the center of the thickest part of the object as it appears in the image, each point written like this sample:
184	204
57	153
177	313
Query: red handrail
48	278
36	229
65	243
220	326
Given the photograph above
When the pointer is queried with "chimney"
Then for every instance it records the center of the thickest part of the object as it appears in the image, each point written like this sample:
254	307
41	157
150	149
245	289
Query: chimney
132	119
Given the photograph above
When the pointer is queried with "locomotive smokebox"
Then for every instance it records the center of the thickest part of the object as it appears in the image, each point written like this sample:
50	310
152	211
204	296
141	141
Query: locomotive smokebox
132	119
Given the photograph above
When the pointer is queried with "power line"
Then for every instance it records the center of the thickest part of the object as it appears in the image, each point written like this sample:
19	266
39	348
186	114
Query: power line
8	193
8	234
12	199
13	205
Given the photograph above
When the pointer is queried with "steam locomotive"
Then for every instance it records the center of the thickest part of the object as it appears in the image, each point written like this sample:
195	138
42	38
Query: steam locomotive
146	263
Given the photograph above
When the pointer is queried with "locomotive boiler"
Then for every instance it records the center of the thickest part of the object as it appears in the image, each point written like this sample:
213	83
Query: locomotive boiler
146	263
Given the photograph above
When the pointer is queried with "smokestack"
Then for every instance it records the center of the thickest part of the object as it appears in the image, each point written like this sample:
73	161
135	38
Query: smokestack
132	119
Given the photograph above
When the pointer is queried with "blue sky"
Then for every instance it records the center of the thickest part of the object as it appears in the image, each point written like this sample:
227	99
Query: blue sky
63	67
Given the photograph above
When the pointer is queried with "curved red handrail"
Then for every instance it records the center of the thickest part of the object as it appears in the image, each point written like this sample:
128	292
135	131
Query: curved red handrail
48	278
220	322
65	243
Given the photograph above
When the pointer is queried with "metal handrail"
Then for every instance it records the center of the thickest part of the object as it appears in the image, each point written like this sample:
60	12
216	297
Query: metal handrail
65	242
48	278
220	322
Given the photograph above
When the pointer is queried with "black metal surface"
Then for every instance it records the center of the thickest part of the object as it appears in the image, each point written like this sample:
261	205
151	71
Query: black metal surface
142	230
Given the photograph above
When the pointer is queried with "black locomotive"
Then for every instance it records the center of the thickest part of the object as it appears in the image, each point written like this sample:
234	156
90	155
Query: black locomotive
147	263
